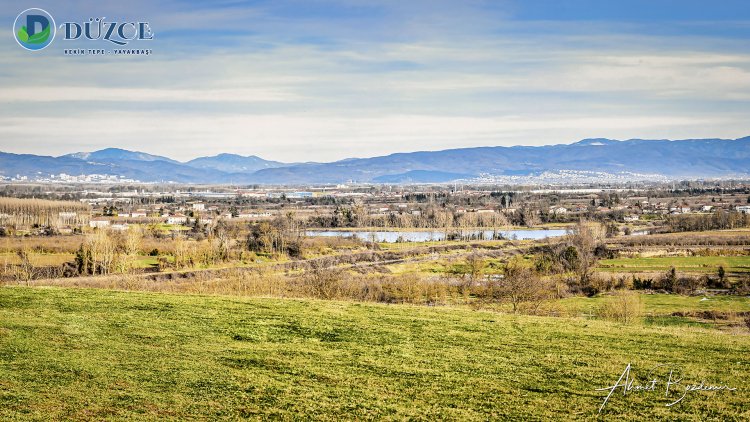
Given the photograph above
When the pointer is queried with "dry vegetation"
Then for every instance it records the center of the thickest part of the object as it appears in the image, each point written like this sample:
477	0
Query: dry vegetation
622	306
24	214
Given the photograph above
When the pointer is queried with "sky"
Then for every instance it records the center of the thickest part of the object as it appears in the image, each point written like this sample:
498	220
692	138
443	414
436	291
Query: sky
323	80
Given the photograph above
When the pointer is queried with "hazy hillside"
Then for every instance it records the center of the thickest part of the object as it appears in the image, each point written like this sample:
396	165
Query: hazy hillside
696	158
687	159
233	163
110	155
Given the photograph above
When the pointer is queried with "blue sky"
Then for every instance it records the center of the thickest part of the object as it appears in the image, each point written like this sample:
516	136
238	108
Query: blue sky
325	80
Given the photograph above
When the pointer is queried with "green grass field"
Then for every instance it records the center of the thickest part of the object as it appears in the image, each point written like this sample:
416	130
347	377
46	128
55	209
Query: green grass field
69	354
698	264
666	304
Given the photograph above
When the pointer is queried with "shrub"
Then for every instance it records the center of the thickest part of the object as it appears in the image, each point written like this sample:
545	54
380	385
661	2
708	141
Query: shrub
520	286
687	285
623	306
642	283
668	281
405	288
742	287
322	283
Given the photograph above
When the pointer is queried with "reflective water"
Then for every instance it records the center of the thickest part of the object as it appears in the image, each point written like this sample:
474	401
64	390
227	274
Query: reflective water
427	236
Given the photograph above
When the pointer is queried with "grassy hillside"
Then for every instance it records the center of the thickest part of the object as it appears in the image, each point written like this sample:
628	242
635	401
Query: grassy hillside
98	354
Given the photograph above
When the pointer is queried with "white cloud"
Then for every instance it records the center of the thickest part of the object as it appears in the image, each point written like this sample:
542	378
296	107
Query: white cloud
304	88
101	94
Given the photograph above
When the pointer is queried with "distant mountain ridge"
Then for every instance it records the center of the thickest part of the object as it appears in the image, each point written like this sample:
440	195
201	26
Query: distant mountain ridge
109	154
233	163
687	159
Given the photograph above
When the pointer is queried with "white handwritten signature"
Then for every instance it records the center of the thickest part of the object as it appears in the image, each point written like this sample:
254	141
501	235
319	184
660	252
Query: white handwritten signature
673	383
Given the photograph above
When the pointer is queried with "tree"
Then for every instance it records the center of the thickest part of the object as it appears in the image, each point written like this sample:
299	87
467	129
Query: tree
669	281
132	246
586	236
283	235
520	285
322	282
24	270
476	265
98	254
529	216
183	252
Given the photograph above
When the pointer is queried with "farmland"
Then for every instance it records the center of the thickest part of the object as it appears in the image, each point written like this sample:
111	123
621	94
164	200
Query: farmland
699	264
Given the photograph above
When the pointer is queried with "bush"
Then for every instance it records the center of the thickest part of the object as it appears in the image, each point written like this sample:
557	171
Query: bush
642	283
322	283
668	281
406	288
623	306
521	286
687	285
742	287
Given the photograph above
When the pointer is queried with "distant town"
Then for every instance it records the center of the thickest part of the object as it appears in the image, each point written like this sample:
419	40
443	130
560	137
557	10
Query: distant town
646	205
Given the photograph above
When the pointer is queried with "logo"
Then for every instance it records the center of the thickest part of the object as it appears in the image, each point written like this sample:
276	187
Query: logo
34	29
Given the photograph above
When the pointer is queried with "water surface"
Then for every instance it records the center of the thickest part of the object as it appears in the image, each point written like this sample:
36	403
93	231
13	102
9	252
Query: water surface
437	235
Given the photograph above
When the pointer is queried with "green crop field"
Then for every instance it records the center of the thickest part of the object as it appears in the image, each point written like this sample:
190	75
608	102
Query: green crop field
699	264
666	304
70	354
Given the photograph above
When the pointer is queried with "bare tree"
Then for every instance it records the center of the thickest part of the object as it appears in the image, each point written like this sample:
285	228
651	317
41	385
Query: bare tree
98	254
322	282
475	267
24	271
586	236
132	246
521	286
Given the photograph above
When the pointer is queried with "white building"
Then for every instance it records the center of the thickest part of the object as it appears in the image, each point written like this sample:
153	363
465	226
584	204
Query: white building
177	219
254	214
99	223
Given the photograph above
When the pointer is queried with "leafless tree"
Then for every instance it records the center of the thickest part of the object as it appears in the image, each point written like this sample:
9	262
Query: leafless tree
586	236
521	286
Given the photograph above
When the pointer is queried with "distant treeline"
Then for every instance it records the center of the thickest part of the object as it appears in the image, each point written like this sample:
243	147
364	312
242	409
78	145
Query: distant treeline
19	214
719	220
426	218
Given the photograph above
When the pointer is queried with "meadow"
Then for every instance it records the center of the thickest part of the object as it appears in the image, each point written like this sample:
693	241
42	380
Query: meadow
83	354
697	264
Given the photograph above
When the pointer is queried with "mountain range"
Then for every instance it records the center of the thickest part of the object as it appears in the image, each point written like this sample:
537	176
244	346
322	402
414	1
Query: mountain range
634	158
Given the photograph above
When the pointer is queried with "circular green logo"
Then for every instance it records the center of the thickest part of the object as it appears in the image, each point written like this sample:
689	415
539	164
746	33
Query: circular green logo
34	29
